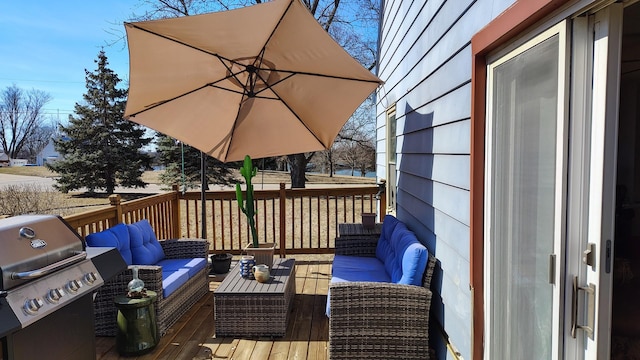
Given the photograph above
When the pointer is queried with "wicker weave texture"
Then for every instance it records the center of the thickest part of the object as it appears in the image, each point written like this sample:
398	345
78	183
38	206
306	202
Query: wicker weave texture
254	313
361	245
379	321
374	320
249	316
355	240
168	310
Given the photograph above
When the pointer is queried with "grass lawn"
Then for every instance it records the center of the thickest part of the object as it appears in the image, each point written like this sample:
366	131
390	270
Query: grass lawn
54	202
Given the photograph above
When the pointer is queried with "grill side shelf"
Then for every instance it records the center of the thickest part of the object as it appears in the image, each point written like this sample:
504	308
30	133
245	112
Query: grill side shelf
107	260
8	320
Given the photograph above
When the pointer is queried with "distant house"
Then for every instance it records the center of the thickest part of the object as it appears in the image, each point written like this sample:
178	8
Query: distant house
48	154
4	160
509	139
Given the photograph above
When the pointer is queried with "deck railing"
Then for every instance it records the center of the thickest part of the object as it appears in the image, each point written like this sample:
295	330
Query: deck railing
297	220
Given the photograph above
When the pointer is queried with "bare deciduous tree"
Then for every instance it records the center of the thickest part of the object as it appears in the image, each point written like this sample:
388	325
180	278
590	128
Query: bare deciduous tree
21	116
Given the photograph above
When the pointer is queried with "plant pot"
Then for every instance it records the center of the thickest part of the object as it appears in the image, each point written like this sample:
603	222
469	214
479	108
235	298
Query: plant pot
368	220
221	263
263	254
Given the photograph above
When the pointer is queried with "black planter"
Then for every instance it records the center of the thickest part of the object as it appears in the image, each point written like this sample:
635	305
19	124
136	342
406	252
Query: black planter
220	263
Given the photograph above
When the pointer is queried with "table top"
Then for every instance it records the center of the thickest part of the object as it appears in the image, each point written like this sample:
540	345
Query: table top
234	284
125	301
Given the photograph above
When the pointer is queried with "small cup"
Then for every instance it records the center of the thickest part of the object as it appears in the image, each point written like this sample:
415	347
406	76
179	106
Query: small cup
247	262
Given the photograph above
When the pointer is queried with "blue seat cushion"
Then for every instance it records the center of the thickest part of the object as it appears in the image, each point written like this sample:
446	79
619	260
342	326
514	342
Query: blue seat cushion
117	237
172	280
356	268
193	266
145	248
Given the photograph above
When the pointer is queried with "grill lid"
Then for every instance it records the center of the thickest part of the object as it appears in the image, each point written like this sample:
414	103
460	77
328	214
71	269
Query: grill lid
35	245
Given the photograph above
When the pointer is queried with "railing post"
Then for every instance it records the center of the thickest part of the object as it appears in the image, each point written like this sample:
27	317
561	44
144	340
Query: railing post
116	200
175	213
283	220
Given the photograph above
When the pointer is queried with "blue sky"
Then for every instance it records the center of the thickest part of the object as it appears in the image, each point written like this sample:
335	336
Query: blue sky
47	45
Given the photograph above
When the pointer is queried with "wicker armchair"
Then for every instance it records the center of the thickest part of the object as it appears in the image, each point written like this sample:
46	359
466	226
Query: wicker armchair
168	310
373	320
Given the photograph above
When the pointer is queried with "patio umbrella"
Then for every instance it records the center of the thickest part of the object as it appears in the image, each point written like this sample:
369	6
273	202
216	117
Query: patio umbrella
264	80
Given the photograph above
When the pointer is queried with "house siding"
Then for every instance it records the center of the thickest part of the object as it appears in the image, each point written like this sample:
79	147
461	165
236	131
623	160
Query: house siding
425	60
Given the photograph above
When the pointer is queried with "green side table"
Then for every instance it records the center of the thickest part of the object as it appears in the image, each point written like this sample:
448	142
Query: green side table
137	330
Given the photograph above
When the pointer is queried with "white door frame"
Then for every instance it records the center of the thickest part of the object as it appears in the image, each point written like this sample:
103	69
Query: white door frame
603	164
557	264
590	193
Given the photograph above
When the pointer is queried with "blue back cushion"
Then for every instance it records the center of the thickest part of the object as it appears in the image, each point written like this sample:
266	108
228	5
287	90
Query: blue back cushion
411	259
145	248
117	237
384	250
404	257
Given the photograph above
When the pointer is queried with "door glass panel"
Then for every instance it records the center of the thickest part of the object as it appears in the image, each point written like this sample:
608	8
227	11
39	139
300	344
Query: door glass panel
392	156
522	186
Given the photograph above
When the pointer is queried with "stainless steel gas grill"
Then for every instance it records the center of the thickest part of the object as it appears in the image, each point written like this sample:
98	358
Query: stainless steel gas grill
47	281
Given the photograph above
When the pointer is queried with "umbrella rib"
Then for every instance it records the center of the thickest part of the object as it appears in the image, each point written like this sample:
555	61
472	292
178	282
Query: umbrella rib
220	57
329	76
269	86
225	89
299	118
261	56
232	74
264	47
156	104
232	130
239	92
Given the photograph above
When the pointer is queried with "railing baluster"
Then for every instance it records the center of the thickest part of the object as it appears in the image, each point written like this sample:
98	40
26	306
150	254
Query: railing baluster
175	214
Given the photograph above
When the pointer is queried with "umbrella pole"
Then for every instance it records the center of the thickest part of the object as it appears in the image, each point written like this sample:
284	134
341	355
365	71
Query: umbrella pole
203	188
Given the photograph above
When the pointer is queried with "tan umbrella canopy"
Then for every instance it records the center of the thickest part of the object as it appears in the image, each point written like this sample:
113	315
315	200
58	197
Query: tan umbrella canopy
263	80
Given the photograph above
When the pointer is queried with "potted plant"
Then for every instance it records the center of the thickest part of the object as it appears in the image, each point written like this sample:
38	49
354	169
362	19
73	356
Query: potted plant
368	220
220	263
263	253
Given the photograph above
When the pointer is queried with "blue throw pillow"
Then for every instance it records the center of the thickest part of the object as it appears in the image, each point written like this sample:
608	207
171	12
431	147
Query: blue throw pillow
117	237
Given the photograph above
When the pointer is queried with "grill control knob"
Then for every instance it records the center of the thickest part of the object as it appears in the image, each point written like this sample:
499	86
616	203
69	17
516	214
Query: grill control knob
74	285
54	295
90	278
32	306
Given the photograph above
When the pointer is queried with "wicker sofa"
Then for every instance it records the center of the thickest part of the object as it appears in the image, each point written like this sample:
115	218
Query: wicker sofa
379	298
177	270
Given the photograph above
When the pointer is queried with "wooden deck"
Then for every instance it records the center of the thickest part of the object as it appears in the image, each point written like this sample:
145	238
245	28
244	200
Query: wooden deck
193	336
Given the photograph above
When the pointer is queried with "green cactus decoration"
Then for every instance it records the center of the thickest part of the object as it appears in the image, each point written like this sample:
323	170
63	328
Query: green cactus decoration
247	205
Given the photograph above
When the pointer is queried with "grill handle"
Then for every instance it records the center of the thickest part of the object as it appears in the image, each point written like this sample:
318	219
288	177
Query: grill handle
33	274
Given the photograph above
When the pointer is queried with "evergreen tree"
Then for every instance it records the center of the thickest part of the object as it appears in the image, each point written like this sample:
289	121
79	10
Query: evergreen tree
171	153
100	149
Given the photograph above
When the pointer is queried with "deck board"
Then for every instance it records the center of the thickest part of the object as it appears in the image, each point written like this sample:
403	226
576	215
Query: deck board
193	336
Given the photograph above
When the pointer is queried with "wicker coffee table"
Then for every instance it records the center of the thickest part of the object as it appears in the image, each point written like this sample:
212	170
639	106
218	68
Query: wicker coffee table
248	308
